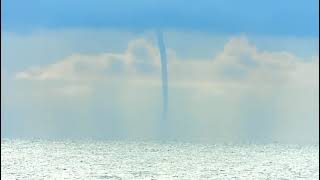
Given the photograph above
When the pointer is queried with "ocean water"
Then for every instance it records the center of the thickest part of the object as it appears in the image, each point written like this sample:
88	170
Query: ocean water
87	159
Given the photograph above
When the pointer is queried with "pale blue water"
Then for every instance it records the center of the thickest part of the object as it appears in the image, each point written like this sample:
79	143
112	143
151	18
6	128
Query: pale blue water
40	159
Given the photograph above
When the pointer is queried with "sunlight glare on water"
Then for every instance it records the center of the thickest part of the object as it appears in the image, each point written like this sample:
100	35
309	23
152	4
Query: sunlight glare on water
86	159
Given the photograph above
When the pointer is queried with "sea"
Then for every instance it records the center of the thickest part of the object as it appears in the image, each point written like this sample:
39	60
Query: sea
100	159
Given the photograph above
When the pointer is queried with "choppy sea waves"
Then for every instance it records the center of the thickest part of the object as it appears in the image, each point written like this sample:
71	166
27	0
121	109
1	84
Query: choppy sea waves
45	159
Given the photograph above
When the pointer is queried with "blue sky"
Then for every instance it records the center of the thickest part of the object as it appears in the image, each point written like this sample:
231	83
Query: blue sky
287	17
238	70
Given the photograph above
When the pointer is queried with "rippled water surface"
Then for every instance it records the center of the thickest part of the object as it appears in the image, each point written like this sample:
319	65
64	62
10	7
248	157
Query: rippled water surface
39	159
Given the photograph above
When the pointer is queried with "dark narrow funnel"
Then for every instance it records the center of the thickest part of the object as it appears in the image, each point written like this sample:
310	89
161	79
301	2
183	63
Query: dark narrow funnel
164	73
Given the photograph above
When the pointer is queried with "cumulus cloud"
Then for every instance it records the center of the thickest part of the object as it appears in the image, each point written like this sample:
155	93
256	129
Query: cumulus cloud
140	58
239	65
256	66
239	68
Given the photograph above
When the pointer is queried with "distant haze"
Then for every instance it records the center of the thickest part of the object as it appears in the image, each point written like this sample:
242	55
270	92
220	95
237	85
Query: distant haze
217	71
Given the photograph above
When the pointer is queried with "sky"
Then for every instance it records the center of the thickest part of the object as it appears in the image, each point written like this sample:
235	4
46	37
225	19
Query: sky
237	70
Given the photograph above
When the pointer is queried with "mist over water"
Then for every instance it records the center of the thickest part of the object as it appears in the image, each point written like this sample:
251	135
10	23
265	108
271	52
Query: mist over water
123	108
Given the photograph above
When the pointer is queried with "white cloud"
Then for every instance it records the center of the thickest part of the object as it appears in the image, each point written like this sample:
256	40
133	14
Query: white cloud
239	65
139	57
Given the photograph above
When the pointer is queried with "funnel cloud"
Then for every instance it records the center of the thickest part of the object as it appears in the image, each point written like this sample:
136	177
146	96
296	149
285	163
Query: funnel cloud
164	75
